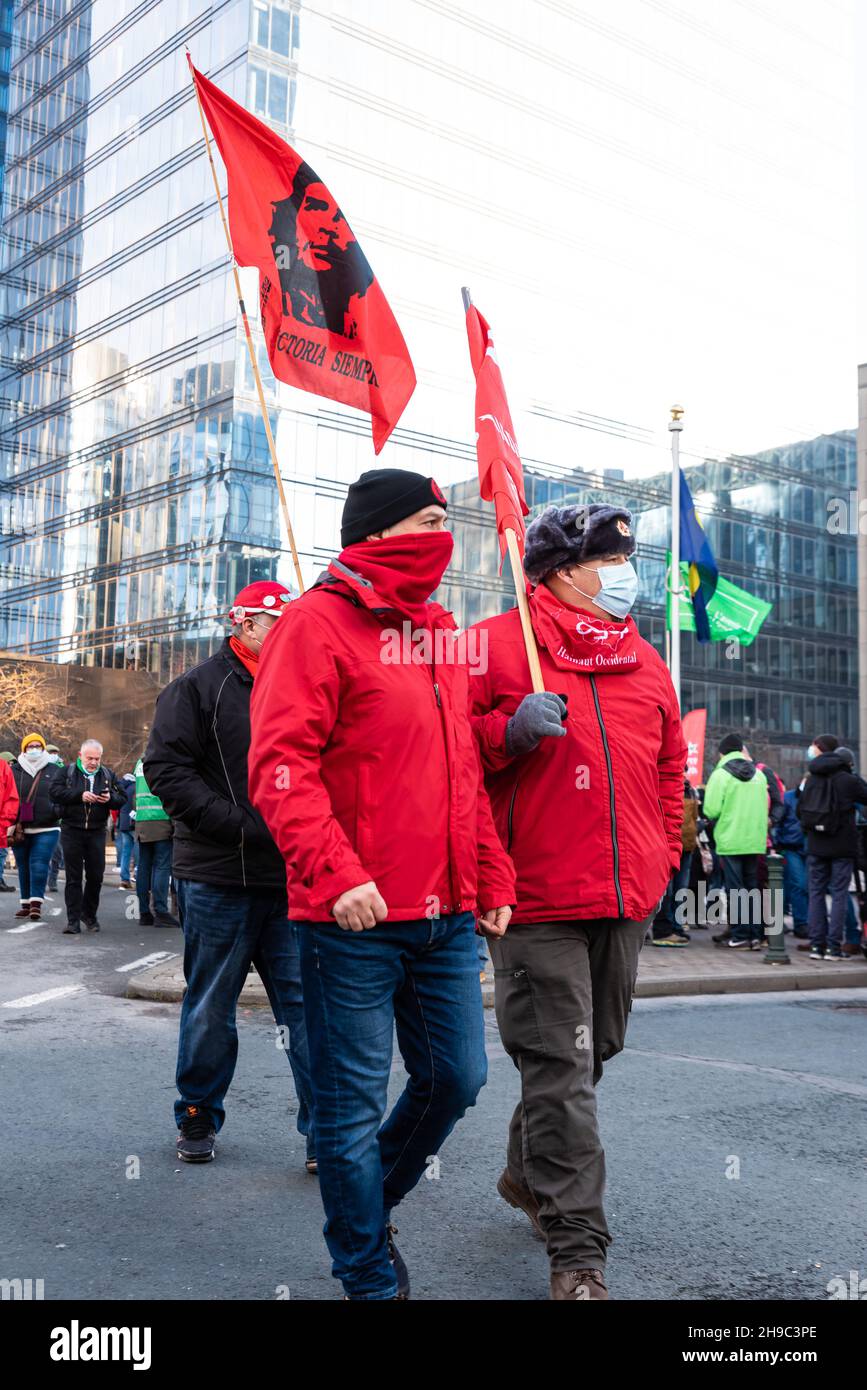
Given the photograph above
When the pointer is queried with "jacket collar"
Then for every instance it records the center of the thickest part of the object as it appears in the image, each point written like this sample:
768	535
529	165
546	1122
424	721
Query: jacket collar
231	660
342	579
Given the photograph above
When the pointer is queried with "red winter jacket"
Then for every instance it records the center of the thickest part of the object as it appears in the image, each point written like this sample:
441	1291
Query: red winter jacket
365	768
8	800
592	820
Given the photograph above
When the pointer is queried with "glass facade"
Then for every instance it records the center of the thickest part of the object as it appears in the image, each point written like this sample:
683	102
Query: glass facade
782	525
135	484
6	9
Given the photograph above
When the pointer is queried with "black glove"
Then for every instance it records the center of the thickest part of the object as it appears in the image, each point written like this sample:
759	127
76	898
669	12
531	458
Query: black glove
538	716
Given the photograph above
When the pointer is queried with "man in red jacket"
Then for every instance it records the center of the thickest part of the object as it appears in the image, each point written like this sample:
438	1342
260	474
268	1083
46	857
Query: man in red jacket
586	786
364	766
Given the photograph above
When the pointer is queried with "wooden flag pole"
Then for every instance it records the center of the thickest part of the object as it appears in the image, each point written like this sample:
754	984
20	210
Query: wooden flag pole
524	610
519	581
250	347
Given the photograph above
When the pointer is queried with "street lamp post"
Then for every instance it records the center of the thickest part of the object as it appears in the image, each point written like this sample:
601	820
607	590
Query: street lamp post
675	425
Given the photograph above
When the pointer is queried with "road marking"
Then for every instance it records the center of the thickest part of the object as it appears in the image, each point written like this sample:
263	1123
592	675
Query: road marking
27	1001
31	926
826	1083
152	959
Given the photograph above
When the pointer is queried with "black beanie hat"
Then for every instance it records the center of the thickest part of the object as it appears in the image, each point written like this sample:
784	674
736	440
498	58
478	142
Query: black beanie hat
382	497
562	536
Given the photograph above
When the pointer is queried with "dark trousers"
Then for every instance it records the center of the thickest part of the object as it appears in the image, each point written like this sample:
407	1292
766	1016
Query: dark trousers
154	871
828	875
563	994
84	860
225	931
741	878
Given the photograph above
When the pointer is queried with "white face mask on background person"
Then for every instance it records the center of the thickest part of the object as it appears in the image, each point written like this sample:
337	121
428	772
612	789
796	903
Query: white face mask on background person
619	588
812	752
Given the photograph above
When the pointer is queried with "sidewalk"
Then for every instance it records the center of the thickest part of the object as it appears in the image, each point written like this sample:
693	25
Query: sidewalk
699	968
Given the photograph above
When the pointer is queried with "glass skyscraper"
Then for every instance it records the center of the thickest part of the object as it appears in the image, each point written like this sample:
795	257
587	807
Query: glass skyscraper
135	484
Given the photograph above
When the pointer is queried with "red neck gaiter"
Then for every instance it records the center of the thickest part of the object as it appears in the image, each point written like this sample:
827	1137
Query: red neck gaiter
249	659
578	641
404	570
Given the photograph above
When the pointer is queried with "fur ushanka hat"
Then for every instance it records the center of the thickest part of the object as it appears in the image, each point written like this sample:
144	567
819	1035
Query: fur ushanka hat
563	536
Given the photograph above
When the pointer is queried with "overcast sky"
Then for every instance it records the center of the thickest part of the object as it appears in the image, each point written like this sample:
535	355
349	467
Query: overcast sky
686	229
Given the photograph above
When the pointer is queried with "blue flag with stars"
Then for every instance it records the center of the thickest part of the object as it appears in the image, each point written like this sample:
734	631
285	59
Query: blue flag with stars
696	552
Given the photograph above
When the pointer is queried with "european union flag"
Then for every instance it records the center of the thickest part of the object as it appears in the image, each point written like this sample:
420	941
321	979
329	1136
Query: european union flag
695	550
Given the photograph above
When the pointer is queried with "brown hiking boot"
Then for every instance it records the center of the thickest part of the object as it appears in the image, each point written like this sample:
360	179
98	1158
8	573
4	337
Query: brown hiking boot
578	1285
520	1197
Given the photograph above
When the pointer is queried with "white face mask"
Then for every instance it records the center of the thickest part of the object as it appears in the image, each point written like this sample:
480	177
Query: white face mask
812	752
33	755
619	588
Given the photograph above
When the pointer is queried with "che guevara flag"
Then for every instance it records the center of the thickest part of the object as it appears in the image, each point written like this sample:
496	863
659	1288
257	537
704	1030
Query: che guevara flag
327	323
501	473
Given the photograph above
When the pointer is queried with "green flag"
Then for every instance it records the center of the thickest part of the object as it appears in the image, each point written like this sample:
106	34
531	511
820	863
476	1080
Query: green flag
732	612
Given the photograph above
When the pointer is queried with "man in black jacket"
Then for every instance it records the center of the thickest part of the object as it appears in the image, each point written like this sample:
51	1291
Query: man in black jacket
826	810
84	797
230	876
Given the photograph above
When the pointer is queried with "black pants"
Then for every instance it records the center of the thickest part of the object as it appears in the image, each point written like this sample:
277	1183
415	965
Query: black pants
84	857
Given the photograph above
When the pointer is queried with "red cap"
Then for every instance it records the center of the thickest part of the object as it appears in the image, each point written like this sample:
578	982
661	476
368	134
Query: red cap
265	596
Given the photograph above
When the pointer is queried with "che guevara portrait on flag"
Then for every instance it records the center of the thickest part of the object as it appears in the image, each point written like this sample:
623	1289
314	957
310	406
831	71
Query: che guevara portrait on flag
327	325
320	265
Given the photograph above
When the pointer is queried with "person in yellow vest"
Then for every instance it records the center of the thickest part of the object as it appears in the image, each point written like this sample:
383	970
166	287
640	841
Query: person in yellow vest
153	833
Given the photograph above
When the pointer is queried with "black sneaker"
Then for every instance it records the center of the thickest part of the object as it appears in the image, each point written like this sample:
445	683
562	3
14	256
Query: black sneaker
164	919
196	1136
146	919
397	1262
722	938
91	925
817	953
834	953
6	887
72	929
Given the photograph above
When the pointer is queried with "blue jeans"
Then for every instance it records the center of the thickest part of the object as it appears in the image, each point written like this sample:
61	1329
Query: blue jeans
670	912
32	859
828	875
56	863
795	884
154	869
423	977
852	932
126	853
225	930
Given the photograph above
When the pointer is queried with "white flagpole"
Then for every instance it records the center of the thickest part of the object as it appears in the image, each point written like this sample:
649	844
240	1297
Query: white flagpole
675	425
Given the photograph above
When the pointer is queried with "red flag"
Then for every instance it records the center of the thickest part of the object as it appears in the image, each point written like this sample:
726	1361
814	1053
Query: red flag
501	473
327	323
694	725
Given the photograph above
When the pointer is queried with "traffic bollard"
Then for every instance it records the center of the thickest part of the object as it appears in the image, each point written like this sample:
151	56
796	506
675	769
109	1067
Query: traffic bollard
776	953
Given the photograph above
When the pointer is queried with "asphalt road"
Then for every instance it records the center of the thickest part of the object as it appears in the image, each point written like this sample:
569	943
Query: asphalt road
769	1087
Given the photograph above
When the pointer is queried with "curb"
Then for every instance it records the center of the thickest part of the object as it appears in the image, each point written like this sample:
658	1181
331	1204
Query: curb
164	984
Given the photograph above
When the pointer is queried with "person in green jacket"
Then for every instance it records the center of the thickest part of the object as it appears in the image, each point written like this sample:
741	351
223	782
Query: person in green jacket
153	831
736	800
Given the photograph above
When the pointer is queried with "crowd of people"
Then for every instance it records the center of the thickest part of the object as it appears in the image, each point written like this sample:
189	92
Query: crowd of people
56	816
743	814
352	823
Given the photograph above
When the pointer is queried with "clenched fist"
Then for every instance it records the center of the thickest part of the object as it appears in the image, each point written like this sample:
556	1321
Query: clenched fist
494	921
360	908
